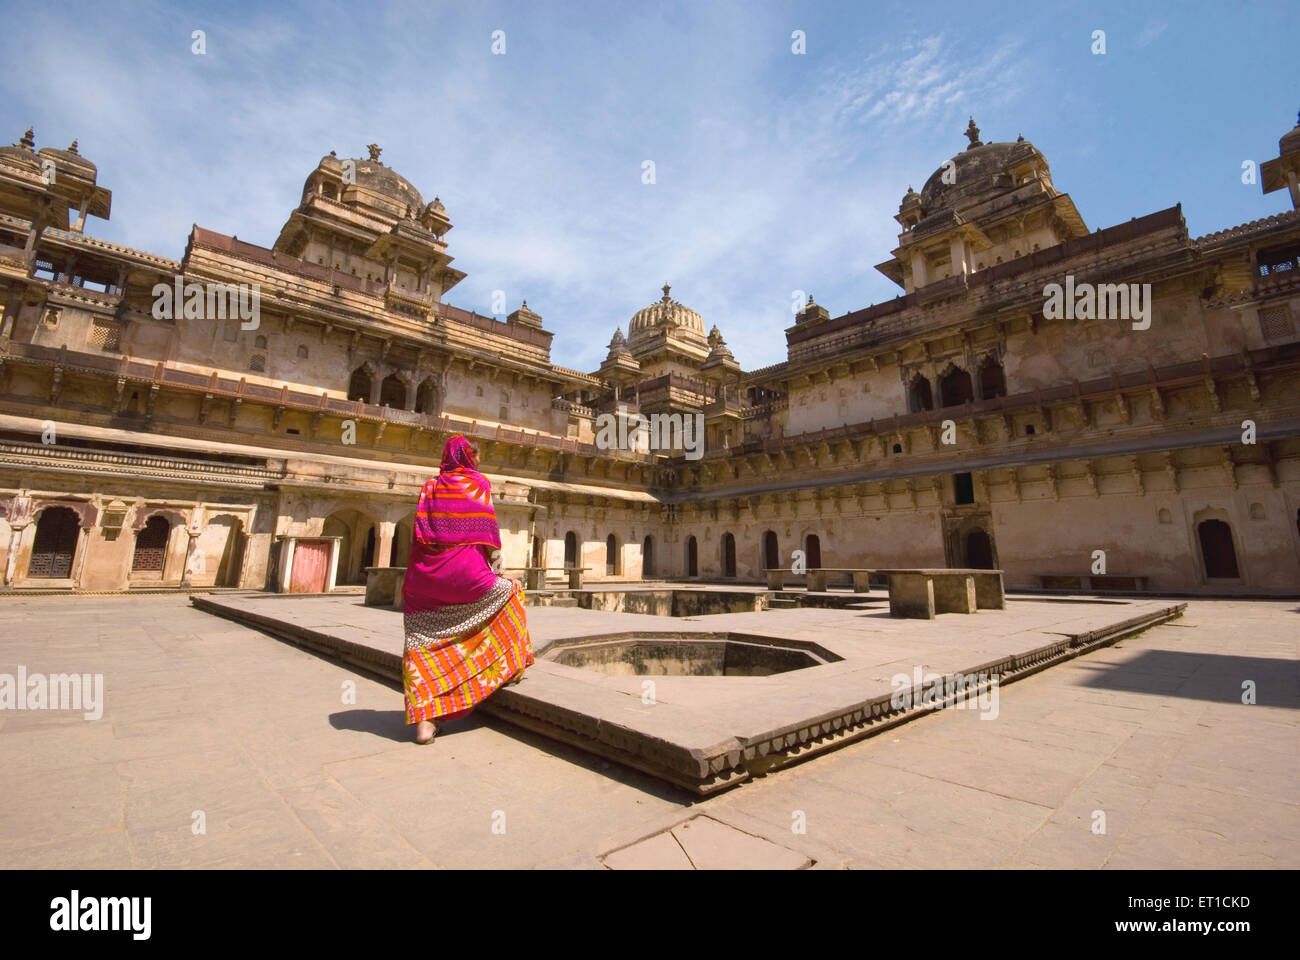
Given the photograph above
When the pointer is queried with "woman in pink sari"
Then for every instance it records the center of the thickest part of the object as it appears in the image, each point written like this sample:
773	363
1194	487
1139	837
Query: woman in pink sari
466	634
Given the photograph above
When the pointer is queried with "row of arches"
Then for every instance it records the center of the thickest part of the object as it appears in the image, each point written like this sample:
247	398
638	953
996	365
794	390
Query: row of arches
154	554
393	391
956	386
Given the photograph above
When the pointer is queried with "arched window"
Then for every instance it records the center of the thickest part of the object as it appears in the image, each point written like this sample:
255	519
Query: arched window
993	381
570	549
692	558
426	397
359	385
1217	550
257	364
392	392
151	546
771	553
955	388
611	555
647	558
812	551
918	395
259	343
56	542
728	555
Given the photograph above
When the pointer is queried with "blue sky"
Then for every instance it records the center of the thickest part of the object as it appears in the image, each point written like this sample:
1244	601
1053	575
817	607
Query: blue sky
775	172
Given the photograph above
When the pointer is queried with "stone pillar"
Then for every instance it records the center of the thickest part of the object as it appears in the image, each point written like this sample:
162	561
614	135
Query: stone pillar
919	279
12	550
384	544
957	253
336	544
83	548
193	530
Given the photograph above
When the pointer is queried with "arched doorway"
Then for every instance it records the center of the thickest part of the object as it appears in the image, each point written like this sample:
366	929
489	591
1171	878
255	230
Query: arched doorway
151	546
647	558
570	550
812	551
356	546
611	556
692	558
979	551
1217	550
401	552
771	551
955	388
55	545
359	385
231	564
728	555
368	555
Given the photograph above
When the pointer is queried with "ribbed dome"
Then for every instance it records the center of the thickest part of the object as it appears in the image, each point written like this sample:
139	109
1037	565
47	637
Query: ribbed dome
375	176
70	158
975	171
665	311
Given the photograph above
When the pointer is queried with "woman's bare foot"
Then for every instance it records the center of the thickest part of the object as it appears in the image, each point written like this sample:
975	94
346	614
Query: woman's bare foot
425	731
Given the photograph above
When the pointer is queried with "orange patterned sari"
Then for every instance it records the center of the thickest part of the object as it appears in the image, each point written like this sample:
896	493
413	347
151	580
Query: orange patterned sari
448	677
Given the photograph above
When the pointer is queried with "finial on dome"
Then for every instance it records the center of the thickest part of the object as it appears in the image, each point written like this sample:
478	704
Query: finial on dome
375	150
29	139
973	132
1020	138
333	154
73	148
666	288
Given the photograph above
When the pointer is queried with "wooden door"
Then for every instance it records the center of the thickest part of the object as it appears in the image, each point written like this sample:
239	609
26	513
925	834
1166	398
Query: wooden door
311	566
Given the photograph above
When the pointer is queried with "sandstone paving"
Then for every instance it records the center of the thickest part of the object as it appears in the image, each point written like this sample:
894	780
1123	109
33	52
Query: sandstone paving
204	714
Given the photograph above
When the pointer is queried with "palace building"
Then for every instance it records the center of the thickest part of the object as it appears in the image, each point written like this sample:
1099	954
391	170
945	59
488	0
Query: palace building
955	425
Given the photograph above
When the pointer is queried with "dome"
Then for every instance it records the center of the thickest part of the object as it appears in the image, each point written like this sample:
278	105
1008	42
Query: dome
374	176
22	152
1290	142
71	159
977	170
664	312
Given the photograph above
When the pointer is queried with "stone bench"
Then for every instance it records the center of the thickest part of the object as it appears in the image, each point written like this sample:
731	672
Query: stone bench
535	577
861	578
1093	583
923	593
384	586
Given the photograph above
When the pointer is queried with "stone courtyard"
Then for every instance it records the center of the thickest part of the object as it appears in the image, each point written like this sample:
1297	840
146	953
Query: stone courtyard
288	758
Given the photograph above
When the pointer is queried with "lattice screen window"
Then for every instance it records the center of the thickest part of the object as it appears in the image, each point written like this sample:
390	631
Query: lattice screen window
1275	323
105	335
257	364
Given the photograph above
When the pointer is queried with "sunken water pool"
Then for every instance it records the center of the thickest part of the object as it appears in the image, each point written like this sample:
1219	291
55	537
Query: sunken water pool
688	654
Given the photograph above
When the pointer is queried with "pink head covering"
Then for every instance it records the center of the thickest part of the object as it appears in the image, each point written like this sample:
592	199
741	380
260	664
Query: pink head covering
456	505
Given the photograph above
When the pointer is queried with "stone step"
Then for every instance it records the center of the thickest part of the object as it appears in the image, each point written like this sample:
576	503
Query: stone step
779	603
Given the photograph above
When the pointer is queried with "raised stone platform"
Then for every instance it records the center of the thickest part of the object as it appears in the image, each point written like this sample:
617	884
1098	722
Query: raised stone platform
706	733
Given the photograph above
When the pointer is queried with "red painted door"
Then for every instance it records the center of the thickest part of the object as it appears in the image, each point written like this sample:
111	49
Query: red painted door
311	566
